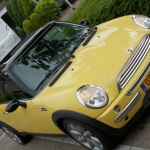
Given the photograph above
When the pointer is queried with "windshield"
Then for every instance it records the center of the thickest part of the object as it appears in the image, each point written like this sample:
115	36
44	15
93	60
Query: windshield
9	90
47	53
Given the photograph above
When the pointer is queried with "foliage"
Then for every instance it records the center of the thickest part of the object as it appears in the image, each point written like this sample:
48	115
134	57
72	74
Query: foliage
98	11
26	7
19	10
48	9
20	32
37	20
27	26
120	8
34	23
16	12
11	14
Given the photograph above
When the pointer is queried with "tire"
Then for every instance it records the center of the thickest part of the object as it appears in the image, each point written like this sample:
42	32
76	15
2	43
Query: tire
88	136
15	136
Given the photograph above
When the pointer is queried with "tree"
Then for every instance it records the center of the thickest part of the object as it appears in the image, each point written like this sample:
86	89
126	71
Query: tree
11	14
48	9
26	7
34	23
16	12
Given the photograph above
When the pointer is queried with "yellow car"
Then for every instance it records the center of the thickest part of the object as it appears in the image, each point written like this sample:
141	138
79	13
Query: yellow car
91	83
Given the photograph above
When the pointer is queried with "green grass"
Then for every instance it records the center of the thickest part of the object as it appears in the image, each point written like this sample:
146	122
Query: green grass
98	11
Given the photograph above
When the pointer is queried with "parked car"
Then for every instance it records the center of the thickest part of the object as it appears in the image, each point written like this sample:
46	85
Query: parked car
91	83
8	39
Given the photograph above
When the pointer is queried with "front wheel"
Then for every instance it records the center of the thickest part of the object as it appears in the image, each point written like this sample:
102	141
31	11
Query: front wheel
87	135
16	137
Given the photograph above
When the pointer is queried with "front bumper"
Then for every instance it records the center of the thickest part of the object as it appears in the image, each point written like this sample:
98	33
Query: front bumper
132	100
118	132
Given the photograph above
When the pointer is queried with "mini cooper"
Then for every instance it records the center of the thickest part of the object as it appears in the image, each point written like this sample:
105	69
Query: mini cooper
91	83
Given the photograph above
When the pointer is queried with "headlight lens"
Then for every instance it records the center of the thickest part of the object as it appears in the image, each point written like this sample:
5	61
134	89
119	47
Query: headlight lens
92	96
142	21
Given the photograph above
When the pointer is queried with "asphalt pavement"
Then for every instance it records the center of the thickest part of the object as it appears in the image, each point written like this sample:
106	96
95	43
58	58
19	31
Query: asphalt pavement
137	138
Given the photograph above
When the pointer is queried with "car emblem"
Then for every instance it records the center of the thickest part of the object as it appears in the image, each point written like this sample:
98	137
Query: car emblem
129	50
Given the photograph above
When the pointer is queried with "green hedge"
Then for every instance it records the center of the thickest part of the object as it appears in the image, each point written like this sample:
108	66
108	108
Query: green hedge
45	11
34	23
26	7
98	11
48	9
11	14
16	12
20	32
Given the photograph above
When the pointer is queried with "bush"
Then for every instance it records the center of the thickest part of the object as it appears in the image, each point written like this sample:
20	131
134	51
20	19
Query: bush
34	23
26	7
37	20
27	26
48	9
10	13
16	12
121	8
20	32
98	11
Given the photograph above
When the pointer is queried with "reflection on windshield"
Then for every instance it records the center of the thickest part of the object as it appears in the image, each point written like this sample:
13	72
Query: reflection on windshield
47	53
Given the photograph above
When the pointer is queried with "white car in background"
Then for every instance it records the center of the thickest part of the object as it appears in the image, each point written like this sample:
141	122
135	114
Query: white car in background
8	39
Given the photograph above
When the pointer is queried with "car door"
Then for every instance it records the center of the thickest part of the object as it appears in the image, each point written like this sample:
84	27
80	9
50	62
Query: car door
24	119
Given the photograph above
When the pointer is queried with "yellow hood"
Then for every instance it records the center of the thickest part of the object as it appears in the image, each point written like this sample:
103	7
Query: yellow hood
102	59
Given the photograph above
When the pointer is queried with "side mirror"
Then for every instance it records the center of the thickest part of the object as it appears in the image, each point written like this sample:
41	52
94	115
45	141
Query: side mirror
84	22
13	105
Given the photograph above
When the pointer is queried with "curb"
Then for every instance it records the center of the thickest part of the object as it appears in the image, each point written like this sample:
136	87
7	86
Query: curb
68	140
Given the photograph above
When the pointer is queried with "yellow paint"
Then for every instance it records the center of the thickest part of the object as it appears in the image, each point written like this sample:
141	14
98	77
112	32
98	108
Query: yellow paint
98	63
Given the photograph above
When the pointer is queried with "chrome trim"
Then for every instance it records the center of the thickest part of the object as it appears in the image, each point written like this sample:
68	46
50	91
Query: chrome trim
140	79
42	109
81	101
127	109
134	62
136	22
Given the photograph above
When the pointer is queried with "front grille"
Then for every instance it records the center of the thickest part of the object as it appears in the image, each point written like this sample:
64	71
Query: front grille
134	62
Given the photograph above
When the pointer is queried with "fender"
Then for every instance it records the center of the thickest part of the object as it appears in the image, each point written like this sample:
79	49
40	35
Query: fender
60	115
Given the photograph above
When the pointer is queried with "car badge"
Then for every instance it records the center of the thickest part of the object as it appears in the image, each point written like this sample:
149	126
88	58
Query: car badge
129	50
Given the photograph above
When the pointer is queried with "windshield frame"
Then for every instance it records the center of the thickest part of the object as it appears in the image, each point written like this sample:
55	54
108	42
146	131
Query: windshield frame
26	48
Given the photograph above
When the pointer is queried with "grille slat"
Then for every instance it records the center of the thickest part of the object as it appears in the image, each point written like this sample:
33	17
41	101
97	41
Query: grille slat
134	62
132	68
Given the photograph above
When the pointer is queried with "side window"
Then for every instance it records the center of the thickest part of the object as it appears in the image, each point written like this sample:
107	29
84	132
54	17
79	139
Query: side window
9	90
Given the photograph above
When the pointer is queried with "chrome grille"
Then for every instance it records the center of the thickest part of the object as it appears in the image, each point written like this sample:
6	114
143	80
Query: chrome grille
134	62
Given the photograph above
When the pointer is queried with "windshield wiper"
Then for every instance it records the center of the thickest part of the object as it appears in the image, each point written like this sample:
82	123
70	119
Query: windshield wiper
83	38
55	69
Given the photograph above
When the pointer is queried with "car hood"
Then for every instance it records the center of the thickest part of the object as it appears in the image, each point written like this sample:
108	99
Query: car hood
102	59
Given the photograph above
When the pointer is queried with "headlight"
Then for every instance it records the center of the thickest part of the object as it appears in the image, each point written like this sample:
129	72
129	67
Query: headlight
92	96
142	21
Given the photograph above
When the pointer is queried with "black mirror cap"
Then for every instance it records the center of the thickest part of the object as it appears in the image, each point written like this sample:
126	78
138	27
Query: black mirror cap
12	106
84	22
